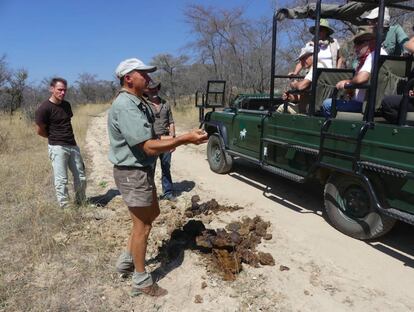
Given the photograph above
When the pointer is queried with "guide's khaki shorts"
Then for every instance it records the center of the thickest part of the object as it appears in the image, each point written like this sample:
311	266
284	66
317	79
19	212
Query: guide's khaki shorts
136	185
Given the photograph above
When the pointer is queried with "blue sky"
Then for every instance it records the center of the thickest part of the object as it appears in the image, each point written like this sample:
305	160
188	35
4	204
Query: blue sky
69	37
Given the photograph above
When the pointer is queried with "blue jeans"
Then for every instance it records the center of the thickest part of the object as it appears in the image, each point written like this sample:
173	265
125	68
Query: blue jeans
341	106
62	158
166	180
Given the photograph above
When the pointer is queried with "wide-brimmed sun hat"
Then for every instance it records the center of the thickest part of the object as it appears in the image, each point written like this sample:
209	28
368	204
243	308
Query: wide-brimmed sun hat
364	32
323	23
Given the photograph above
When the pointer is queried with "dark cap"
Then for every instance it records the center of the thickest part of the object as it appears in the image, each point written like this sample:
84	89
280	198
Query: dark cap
154	85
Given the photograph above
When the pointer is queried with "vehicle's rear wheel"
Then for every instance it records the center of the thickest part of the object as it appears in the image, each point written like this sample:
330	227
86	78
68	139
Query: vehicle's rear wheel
350	210
218	159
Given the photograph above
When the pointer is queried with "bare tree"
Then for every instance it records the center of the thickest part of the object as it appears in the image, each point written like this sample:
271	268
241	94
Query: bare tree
87	84
17	86
170	65
5	74
237	48
257	56
33	95
220	39
4	71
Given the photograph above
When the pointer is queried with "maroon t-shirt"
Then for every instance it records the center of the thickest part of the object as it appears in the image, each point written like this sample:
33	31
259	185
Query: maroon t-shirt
56	117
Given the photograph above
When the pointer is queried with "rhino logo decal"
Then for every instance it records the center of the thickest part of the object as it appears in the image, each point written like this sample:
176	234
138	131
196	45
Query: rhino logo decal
243	134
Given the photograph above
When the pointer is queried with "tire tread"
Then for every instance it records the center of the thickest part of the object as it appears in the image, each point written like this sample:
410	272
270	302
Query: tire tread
378	223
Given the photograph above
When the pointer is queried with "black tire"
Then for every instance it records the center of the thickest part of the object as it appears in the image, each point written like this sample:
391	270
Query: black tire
218	159
350	210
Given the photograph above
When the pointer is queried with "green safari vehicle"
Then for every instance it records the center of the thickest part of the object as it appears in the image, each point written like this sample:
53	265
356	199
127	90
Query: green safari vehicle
365	163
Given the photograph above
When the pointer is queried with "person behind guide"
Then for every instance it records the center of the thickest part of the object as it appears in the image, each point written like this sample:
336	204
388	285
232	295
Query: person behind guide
329	55
390	105
364	45
164	127
410	45
395	39
53	121
306	60
133	148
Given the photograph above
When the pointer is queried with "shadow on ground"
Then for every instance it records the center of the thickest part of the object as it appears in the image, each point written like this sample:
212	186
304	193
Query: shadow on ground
171	252
308	198
183	186
303	198
399	243
103	200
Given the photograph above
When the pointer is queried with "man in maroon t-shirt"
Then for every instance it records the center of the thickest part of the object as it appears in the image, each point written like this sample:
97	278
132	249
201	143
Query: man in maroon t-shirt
53	121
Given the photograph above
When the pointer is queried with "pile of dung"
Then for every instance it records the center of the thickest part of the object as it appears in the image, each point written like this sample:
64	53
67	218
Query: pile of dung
207	207
235	245
225	250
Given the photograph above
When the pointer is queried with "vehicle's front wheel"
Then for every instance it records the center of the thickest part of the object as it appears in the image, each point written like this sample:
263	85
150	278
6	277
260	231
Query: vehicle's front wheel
350	210
218	159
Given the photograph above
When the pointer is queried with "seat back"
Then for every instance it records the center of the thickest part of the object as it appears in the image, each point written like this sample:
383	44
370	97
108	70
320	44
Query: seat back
326	80
393	73
256	101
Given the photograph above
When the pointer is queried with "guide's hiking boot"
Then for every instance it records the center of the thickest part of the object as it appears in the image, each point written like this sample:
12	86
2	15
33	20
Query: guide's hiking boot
153	290
125	265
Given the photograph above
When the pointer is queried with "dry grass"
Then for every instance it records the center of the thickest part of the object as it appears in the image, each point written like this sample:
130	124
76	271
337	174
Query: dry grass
53	259
81	119
186	114
31	224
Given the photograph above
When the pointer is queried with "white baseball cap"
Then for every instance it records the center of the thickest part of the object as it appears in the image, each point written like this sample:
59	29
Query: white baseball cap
306	50
131	64
373	14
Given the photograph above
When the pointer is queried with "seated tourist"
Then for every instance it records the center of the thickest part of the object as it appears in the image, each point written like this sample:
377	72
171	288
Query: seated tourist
409	46
330	54
395	39
306	60
364	45
390	106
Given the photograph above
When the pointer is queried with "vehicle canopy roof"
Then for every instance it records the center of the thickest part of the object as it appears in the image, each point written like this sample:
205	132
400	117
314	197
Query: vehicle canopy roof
350	11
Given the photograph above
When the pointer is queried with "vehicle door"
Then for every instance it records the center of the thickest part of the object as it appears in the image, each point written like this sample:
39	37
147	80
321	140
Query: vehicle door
247	131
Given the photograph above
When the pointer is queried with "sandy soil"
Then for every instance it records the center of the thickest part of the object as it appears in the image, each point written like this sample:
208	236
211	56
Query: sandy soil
328	271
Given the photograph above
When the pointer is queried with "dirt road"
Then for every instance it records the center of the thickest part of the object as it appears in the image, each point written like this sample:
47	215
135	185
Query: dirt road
328	271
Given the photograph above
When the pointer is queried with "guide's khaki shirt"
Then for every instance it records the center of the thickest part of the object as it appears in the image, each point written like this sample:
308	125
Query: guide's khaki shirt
130	122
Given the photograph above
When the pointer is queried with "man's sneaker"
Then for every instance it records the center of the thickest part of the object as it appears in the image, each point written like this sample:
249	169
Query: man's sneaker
125	264
169	197
153	290
64	206
86	203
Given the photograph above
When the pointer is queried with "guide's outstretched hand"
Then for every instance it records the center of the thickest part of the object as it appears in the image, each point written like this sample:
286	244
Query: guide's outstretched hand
155	147
197	136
